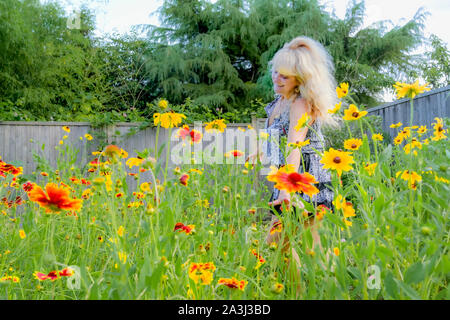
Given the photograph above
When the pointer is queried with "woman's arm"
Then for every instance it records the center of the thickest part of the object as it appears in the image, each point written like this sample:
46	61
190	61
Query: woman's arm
298	108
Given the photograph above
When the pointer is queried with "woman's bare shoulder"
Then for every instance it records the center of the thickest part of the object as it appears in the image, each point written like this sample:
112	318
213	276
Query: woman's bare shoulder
298	107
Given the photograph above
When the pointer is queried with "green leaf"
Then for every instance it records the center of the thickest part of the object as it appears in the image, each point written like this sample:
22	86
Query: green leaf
415	273
390	285
410	292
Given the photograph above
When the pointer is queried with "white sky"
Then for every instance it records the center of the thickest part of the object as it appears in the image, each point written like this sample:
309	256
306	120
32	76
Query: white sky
120	15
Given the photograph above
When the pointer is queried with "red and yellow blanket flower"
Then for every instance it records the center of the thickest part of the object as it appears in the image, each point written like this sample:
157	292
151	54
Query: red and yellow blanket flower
195	136
201	272
286	178
181	227
53	275
54	198
234	153
233	283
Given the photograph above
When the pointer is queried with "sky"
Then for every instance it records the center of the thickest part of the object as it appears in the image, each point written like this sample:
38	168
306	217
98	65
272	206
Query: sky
120	15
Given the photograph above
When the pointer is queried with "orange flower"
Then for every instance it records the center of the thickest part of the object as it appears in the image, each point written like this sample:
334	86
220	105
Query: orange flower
184	179
277	227
233	283
234	153
287	179
54	199
112	151
195	135
189	229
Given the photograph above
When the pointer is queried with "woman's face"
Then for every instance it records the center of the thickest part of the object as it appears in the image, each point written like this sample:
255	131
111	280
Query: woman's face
283	84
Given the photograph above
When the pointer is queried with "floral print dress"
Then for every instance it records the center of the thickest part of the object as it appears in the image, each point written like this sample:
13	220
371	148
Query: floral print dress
279	128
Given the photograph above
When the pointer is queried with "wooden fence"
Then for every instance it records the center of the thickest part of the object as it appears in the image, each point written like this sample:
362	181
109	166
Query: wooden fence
19	140
427	106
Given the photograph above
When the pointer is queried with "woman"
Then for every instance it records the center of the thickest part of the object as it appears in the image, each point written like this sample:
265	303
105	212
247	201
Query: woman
302	75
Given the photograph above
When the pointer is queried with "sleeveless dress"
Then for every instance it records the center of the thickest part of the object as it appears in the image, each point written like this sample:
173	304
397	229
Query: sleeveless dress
280	127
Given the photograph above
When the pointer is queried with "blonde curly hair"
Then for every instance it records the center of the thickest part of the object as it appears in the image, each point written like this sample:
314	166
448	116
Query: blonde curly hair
311	64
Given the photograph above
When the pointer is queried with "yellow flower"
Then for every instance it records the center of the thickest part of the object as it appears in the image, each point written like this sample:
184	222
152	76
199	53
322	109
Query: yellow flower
299	144
122	257
411	176
342	90
120	231
439	132
348	210
370	168
410	90
336	251
123	154
302	122
61	142
337	160
377	137
353	113
396	125
422	130
145	187
88	136
216	125
264	135
163	104
336	108
131	162
22	234
65	137
66	129
352	144
201	272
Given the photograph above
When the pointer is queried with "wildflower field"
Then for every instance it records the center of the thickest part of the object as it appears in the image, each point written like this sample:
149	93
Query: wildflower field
199	233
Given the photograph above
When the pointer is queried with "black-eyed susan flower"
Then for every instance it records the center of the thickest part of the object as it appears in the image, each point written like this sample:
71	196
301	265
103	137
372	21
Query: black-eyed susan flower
302	122
299	144
233	283
337	160
353	113
410	90
422	130
352	144
336	108
439	132
131	162
348	210
377	137
370	168
396	125
342	90
66	129
286	178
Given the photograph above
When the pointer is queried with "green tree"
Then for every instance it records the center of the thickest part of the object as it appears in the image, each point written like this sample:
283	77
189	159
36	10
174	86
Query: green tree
218	53
435	67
